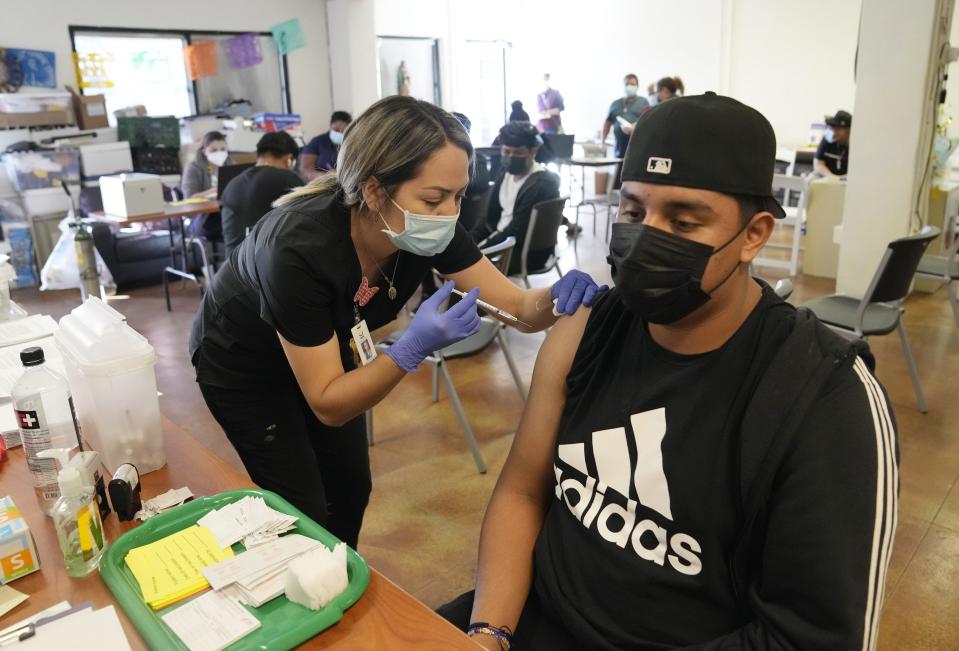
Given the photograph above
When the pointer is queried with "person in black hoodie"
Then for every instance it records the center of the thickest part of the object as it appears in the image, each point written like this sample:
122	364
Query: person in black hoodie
522	184
700	465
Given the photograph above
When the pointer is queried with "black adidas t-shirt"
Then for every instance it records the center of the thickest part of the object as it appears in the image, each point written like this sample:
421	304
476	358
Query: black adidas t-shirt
296	274
634	548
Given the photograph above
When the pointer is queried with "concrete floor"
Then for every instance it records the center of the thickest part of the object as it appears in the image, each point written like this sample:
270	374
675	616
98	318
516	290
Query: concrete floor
423	522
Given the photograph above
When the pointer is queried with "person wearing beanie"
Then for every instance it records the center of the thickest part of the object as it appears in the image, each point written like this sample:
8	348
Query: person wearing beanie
521	184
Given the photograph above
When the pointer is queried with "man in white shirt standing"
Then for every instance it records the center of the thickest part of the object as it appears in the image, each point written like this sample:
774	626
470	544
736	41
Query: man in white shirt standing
522	184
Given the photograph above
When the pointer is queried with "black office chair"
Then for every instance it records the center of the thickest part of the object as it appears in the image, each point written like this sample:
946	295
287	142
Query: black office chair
473	209
945	268
879	312
544	222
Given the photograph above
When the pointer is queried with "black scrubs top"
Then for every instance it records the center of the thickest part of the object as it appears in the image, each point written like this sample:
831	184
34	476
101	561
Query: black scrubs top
296	274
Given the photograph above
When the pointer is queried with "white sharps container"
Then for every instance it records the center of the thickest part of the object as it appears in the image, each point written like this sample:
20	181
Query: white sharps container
110	367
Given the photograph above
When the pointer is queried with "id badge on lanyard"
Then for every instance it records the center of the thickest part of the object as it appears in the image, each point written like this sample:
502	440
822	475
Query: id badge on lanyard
361	343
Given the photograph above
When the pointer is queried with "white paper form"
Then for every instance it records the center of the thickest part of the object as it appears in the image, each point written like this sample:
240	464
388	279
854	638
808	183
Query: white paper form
88	629
20	331
211	622
11	368
258	562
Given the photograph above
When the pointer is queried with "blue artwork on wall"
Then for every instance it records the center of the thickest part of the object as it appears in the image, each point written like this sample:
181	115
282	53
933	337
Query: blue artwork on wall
37	67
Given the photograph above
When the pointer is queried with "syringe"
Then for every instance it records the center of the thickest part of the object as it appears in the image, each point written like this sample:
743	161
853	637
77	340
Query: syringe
493	309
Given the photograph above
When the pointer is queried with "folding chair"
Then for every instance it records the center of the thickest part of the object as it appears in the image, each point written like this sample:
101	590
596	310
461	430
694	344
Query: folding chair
795	217
544	222
945	268
490	330
879	312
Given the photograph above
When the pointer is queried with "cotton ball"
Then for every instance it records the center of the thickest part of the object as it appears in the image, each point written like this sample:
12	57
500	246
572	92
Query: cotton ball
315	578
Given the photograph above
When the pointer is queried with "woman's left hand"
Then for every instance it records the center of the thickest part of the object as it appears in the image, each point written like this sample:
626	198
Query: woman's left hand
572	290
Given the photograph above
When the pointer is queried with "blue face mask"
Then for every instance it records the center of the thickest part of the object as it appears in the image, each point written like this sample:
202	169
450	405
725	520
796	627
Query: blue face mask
423	235
653	99
830	136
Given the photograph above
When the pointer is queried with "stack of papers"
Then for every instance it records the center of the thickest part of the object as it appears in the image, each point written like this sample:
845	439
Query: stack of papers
258	575
248	519
171	568
65	627
211	622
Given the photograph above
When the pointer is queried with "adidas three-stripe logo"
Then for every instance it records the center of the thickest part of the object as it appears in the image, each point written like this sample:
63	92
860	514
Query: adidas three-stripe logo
587	500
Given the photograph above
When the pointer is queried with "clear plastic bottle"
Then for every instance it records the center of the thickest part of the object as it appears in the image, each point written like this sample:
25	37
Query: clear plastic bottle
77	521
45	417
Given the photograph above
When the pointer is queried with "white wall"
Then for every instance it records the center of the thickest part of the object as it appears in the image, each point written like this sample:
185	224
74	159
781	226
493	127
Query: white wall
352	54
793	61
43	26
889	139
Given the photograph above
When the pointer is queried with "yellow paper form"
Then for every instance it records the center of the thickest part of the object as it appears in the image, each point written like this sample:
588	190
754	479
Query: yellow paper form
170	569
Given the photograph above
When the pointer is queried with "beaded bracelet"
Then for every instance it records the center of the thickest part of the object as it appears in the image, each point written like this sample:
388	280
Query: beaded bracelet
503	635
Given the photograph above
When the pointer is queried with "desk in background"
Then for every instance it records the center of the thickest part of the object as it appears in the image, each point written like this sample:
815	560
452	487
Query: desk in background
385	617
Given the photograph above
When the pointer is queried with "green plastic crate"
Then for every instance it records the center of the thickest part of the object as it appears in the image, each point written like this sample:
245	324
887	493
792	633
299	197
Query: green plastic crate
283	624
148	131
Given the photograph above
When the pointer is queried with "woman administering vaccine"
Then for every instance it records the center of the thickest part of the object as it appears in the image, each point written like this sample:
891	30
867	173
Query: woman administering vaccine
281	342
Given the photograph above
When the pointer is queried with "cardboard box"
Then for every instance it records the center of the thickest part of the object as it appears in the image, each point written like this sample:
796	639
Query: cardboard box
18	552
90	110
131	195
36	119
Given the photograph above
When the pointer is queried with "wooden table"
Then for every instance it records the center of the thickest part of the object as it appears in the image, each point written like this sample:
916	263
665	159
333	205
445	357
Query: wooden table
385	617
170	211
174	214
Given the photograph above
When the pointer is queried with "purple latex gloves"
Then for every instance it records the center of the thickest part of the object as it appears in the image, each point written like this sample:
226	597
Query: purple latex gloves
572	290
432	330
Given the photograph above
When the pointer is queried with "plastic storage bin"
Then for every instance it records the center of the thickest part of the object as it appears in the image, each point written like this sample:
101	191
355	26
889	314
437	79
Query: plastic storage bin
106	158
110	367
34	170
35	102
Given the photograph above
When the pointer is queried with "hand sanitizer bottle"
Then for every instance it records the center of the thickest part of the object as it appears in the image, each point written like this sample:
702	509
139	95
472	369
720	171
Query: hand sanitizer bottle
77	520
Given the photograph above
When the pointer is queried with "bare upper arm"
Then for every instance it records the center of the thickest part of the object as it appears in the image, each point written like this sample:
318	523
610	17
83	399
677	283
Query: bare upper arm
315	367
528	466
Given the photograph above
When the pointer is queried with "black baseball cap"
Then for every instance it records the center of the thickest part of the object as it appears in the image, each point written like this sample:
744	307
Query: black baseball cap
840	119
708	141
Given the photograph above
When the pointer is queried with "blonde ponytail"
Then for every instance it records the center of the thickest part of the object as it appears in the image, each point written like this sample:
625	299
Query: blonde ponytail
327	182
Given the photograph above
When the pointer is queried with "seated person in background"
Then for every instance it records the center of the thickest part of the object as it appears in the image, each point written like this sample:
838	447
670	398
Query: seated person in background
320	154
699	464
832	155
629	107
517	114
198	178
522	184
250	195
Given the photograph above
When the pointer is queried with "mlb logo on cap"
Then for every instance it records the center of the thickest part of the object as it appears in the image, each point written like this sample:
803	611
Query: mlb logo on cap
658	165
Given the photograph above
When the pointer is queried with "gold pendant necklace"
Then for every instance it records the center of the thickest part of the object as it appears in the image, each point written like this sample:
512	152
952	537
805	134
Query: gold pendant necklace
391	292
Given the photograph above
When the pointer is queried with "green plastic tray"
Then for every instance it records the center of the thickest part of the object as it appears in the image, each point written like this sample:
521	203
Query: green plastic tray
283	624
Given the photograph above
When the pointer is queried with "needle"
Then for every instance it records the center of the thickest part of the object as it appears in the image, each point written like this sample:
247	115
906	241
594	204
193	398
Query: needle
495	310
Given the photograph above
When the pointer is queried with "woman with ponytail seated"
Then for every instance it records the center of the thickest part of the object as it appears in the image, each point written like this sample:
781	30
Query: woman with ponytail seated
281	341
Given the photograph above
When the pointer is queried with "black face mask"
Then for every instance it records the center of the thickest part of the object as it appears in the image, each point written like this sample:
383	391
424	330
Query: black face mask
517	164
659	274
